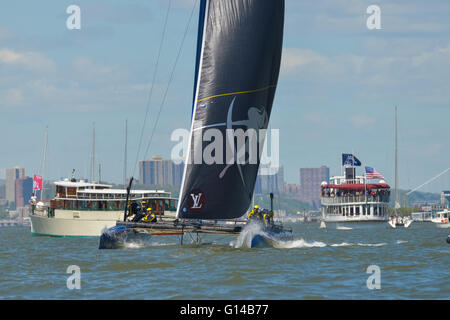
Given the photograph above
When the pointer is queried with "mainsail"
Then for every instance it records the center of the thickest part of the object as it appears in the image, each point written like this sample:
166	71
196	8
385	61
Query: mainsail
238	62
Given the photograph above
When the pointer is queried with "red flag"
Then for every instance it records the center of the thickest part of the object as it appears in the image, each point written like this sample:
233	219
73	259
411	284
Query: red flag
37	182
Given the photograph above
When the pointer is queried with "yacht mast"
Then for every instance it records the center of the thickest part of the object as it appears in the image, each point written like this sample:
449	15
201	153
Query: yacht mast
125	157
396	203
44	156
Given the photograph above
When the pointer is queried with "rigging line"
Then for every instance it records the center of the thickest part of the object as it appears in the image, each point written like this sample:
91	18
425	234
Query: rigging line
152	85
171	77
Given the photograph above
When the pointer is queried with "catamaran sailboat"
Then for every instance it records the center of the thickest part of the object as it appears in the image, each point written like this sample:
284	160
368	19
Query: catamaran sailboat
237	67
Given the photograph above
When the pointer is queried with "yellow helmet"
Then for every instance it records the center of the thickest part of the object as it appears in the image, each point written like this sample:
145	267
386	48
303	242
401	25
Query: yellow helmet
148	209
256	207
143	201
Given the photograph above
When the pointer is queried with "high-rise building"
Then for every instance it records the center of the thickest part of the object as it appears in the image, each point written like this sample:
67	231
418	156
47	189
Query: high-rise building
24	191
271	181
11	176
2	192
292	190
310	184
160	172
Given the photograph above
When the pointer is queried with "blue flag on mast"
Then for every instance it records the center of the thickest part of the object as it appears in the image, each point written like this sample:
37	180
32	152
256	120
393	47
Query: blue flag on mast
350	160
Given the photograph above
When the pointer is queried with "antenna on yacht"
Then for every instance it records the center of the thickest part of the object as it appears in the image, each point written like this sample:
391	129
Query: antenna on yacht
93	153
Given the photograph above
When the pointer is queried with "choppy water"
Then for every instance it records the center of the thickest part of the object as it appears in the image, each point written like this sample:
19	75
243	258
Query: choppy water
318	264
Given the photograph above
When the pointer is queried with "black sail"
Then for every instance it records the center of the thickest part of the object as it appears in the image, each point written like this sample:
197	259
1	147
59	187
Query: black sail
238	63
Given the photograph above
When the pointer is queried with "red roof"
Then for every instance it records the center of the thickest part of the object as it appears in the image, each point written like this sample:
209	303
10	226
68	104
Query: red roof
357	186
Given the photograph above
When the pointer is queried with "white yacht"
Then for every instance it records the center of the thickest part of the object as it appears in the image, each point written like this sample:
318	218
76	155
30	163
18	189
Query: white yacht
80	208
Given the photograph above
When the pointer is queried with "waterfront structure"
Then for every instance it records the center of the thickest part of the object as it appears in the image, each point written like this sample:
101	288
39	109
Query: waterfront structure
310	183
161	172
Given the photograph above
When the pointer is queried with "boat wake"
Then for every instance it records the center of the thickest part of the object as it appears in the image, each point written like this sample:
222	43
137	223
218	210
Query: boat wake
300	243
346	244
247	235
343	228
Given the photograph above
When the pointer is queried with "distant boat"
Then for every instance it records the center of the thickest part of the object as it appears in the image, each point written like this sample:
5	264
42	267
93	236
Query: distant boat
237	67
441	217
395	222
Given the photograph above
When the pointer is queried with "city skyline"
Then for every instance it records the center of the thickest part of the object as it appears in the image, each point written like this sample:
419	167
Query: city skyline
338	86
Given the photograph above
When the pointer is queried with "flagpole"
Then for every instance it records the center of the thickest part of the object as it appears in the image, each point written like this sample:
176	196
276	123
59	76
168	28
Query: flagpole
365	187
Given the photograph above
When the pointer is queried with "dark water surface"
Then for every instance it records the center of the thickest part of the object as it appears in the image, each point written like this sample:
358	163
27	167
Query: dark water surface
318	264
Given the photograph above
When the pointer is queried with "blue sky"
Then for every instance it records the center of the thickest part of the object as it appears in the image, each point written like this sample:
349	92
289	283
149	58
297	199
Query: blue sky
338	85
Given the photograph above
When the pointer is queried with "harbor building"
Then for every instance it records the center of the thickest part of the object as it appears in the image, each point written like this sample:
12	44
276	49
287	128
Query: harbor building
310	184
158	171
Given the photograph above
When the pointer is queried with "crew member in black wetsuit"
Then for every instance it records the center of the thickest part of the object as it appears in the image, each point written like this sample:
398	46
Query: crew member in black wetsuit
140	213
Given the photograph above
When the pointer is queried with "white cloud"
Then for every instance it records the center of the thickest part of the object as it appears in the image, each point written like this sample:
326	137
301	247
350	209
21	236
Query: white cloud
30	60
8	56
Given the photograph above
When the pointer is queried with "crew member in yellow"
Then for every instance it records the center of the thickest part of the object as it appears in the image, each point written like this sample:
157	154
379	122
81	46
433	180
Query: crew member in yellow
254	214
150	216
268	218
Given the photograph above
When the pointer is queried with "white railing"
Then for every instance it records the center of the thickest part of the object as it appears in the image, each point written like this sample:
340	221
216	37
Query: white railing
355	199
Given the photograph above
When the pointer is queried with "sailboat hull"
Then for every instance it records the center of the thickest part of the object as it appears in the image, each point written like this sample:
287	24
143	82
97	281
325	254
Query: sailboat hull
269	239
129	235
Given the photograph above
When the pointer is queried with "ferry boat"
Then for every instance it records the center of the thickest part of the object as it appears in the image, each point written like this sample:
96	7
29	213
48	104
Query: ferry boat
350	198
81	208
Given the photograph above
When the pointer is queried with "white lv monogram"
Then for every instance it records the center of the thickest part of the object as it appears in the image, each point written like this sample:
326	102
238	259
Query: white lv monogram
196	198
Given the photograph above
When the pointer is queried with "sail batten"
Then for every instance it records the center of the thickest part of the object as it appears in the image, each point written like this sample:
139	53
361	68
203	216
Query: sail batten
237	70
